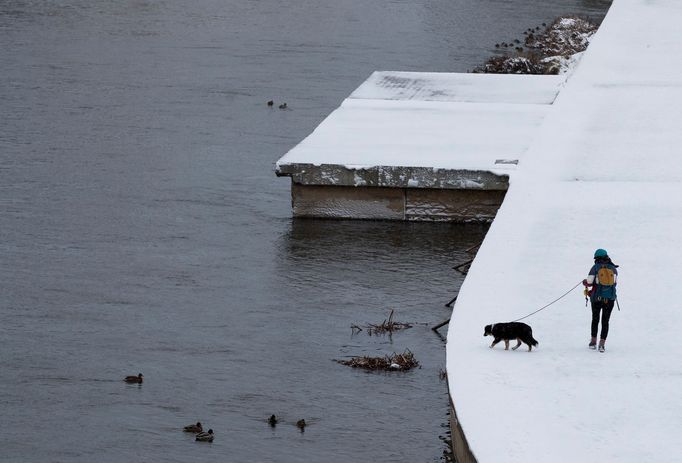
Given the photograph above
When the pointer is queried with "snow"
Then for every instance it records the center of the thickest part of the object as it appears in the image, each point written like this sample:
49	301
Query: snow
438	120
455	87
358	181
603	170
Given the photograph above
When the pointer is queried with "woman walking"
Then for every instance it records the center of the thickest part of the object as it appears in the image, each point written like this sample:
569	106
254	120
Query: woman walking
601	282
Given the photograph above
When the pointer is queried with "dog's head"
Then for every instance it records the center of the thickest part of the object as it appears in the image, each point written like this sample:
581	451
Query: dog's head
488	330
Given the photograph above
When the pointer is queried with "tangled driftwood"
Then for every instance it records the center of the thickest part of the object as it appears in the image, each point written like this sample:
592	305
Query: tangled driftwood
387	326
393	362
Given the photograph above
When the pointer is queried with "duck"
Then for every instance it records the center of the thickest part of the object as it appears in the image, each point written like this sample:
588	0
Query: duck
195	428
134	379
283	106
270	103
205	436
273	420
301	424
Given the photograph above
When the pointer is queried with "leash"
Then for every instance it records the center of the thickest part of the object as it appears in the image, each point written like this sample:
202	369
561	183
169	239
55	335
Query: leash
555	300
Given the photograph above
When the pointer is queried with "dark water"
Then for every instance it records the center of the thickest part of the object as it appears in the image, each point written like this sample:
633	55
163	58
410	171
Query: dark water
142	230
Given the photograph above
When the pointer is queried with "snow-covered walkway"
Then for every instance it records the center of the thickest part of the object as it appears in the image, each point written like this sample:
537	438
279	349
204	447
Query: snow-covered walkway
604	171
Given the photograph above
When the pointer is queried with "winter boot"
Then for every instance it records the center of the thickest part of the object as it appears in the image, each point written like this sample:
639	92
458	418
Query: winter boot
601	345
593	343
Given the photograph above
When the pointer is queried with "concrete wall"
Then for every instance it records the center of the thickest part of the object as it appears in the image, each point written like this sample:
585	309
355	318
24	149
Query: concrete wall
395	176
414	204
460	447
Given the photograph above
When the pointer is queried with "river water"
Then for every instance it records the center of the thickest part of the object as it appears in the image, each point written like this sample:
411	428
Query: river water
142	229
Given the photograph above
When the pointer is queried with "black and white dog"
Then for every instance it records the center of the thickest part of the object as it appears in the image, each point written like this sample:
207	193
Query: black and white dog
512	330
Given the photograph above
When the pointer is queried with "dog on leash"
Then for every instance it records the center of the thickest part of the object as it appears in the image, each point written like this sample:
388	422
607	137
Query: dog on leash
508	331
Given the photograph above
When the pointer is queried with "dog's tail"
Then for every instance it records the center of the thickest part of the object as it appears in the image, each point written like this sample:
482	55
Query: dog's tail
534	342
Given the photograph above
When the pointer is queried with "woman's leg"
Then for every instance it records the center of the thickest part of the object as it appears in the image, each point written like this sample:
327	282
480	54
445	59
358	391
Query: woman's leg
596	308
605	316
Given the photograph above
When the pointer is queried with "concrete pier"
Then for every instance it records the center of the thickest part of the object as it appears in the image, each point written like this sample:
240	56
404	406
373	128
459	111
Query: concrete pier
419	146
387	193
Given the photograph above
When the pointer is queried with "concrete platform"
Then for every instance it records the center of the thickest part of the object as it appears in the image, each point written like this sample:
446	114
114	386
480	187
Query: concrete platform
410	131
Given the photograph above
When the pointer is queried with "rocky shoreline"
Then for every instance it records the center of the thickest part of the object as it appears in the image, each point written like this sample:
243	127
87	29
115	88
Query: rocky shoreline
551	50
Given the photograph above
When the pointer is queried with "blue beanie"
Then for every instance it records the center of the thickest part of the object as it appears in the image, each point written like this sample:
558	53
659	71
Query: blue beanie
600	253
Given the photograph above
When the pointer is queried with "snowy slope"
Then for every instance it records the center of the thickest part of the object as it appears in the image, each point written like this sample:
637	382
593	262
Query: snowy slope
604	170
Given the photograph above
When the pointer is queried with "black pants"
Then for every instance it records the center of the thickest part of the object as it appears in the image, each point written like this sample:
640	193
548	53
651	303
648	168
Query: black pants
604	306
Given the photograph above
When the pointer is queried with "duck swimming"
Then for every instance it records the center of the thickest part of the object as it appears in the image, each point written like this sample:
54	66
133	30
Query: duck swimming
301	424
195	428
134	379
273	420
205	436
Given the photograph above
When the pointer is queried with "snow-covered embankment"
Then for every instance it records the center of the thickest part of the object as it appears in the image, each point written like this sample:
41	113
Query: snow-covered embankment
603	171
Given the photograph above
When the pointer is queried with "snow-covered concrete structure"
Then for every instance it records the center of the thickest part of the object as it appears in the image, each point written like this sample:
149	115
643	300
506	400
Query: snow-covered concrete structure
419	146
603	171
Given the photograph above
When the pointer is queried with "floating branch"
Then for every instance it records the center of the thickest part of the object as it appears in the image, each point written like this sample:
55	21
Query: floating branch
474	247
463	267
394	362
387	326
441	324
452	301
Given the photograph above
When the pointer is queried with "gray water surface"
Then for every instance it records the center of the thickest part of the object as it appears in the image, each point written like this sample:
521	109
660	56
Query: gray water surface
142	229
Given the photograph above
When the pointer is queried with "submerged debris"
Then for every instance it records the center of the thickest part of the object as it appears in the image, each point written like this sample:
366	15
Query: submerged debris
387	326
548	51
464	267
393	362
448	454
301	424
474	249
